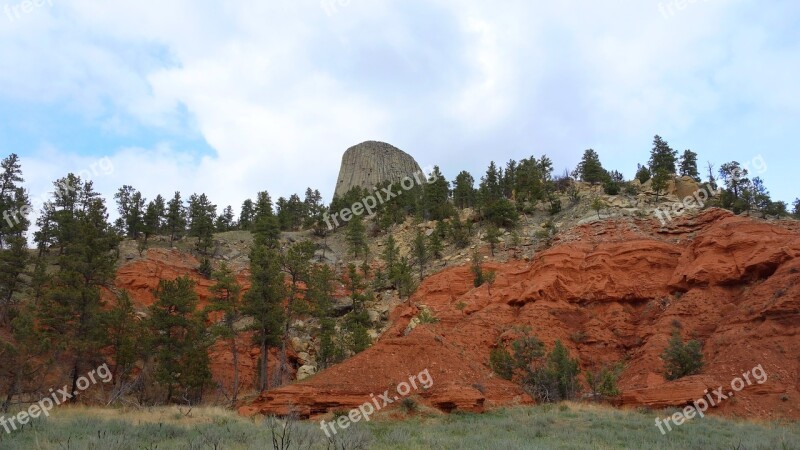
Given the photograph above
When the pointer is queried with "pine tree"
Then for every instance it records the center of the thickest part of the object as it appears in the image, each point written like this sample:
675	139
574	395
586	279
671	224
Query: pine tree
590	169
420	251
225	221
127	338
660	182
436	196
180	344
662	157
391	255
154	217
320	294
176	218
435	245
246	215
682	359
296	263
356	237
15	206
264	303
643	174
130	205
201	222
464	194
70	313
477	269
492	237
227	300
688	165
796	206
405	280
313	208
265	224
491	190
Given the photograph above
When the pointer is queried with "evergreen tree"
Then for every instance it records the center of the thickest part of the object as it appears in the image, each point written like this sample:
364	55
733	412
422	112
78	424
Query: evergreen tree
247	215
265	224
180	344
227	301
14	203
436	197
492	237
420	252
662	157
320	294
176	218
297	264
313	208
796	210
643	174
660	182
356	237
405	280
477	269
491	190
435	244
682	359
509	182
225	220
464	194
127	338
70	314
13	235
590	169
264	303
154	217
201	222
130	205
688	165
391	254
761	198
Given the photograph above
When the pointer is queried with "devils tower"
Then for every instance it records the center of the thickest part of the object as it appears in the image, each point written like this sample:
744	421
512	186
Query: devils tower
371	163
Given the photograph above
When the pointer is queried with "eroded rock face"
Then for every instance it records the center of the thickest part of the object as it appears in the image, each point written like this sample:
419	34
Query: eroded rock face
610	291
371	163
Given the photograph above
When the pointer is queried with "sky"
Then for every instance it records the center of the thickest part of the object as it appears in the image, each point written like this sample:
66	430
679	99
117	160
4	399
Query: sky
235	97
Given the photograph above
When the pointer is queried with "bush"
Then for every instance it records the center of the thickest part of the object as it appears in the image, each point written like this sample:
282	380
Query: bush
502	213
502	363
611	187
682	359
555	205
426	316
205	268
603	383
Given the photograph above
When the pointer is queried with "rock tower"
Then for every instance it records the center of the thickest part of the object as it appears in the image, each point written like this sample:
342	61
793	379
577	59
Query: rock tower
371	163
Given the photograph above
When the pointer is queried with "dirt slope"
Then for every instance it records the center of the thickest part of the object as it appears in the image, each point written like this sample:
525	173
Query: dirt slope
611	291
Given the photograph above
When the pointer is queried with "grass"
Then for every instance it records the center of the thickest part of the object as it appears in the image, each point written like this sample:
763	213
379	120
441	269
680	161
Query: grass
565	426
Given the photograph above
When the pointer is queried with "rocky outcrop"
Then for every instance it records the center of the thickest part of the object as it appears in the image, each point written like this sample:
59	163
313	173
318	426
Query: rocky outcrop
371	163
610	291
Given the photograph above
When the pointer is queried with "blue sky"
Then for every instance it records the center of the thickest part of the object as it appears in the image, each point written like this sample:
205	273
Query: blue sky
230	98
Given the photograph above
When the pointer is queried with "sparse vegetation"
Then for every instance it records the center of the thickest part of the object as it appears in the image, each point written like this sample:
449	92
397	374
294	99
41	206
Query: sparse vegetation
682	359
542	425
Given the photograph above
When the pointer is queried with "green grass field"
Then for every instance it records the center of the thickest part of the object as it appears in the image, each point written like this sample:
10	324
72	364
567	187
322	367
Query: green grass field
565	426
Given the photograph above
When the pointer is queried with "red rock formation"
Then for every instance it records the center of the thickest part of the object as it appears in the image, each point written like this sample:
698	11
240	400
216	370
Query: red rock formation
610	291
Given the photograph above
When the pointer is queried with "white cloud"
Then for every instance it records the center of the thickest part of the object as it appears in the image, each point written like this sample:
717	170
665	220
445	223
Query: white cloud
280	89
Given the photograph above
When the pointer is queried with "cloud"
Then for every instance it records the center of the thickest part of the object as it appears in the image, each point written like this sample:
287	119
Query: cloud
280	89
